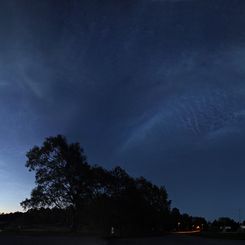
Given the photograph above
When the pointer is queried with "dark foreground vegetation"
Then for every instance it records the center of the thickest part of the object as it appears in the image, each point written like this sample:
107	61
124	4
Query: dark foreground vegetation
91	197
58	221
73	196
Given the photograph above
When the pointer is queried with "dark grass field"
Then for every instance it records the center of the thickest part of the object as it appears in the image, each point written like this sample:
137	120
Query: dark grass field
12	239
176	239
220	235
17	239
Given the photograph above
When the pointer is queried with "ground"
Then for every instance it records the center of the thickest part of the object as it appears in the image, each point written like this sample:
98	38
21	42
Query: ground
72	240
176	240
49	240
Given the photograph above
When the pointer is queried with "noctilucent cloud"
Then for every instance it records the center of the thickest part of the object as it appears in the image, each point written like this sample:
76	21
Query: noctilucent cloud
156	86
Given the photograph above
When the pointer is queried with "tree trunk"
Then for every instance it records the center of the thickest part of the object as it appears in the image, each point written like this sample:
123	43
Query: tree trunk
75	220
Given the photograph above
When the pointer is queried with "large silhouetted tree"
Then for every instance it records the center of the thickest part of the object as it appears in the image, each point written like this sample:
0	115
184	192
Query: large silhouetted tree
63	176
102	198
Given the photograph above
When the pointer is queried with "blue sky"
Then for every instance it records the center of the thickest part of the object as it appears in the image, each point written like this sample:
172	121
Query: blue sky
154	86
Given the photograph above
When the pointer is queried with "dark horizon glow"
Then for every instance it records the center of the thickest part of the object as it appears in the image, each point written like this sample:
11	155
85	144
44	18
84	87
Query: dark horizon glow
155	86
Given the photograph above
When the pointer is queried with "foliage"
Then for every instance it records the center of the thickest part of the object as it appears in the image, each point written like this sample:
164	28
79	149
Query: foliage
61	172
222	222
99	198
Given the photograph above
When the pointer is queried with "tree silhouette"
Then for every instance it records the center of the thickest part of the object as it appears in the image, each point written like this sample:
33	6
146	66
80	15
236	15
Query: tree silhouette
63	176
97	197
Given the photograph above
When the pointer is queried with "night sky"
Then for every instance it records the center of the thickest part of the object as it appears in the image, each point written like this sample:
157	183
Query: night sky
155	86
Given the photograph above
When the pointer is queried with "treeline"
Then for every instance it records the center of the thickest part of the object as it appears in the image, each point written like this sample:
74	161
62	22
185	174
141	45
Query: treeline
90	221
71	193
92	196
59	219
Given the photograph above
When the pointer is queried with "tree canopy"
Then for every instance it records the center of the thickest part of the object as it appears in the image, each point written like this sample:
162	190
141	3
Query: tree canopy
65	180
62	174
